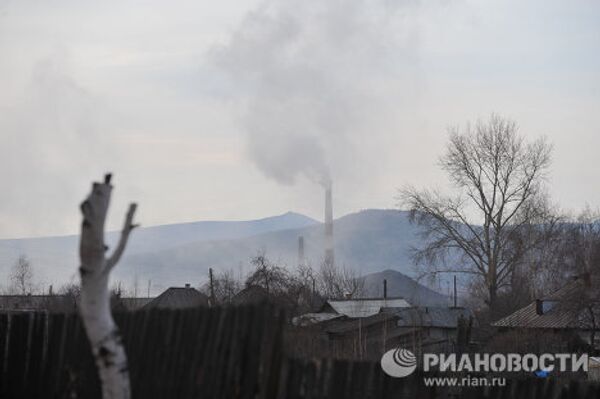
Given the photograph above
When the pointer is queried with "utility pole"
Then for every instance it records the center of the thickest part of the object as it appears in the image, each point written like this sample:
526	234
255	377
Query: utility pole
149	284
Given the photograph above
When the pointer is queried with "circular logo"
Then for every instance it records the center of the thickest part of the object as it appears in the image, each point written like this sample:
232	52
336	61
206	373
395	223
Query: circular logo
398	362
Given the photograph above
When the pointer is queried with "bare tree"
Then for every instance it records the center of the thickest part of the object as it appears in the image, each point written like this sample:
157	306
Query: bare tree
103	334
225	286
339	282
71	290
22	276
268	275
303	289
480	230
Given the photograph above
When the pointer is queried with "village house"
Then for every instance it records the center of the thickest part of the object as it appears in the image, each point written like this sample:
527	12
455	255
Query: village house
178	298
172	298
573	309
430	329
38	303
366	328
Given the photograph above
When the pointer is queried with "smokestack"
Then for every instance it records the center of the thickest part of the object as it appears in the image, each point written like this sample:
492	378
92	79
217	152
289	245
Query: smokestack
329	256
301	251
455	297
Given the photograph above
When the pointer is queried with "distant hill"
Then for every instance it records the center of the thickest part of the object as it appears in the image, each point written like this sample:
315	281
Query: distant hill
369	241
55	258
172	255
399	284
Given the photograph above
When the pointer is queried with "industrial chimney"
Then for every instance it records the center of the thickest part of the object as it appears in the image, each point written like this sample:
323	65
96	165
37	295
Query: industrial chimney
301	251
329	257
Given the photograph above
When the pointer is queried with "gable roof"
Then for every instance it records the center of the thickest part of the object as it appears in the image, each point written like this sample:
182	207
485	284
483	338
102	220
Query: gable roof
527	317
252	294
345	326
178	298
364	307
133	303
554	315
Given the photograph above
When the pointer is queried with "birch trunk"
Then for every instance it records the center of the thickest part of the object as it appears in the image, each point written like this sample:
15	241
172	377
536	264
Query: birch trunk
105	339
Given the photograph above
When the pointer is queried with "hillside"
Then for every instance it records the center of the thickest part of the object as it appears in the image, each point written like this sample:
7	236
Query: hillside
400	285
369	241
172	255
55	258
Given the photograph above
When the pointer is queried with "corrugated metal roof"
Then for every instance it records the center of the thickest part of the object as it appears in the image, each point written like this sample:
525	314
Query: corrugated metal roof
365	307
177	298
340	327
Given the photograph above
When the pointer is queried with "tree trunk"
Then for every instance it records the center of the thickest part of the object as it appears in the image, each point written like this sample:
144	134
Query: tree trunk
493	296
107	346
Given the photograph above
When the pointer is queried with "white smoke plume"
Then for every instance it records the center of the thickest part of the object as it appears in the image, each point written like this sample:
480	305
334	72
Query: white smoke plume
316	79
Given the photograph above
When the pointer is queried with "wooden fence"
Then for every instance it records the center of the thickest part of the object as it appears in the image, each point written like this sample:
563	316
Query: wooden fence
209	353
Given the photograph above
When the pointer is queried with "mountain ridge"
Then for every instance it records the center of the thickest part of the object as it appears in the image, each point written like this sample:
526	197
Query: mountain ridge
55	260
369	241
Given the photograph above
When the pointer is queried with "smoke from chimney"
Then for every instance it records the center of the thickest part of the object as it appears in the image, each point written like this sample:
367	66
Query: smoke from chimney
329	255
312	77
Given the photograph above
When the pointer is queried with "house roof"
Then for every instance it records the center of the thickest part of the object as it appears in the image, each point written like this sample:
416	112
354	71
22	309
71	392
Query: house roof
250	295
344	326
50	303
439	317
365	307
527	317
132	303
177	298
555	315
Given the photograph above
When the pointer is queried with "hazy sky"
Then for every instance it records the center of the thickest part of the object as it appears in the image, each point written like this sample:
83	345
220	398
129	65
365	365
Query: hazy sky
236	109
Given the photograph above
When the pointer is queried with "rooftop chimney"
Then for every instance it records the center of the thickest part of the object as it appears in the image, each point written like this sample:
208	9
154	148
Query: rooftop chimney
329	256
187	285
539	307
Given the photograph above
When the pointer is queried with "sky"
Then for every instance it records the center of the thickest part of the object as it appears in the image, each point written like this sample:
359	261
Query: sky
236	110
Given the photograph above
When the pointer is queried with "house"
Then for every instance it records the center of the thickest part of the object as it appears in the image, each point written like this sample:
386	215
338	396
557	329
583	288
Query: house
130	304
251	295
61	303
349	308
366	328
350	328
178	298
38	303
361	337
430	329
362	307
573	308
